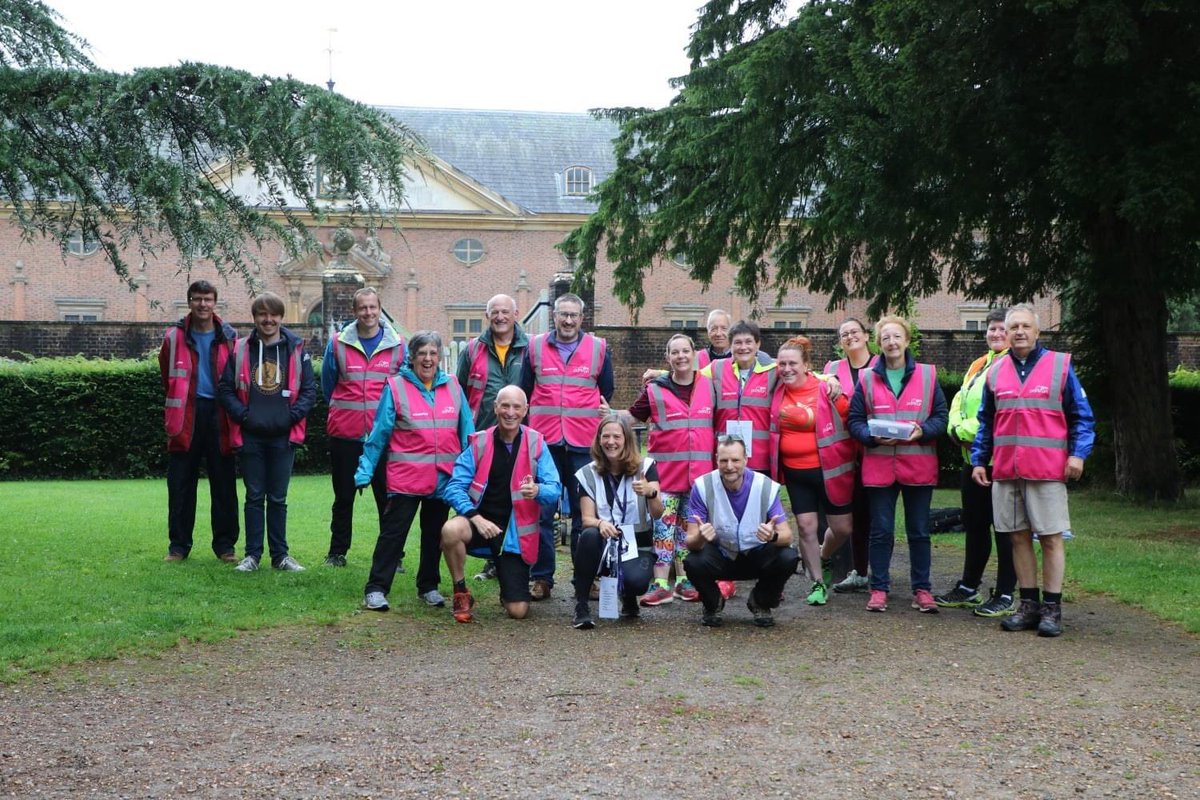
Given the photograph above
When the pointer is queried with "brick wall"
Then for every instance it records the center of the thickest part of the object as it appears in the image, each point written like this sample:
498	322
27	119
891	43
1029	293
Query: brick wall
633	348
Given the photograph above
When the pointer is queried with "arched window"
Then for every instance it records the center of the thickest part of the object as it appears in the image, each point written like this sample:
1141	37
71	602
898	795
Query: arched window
577	181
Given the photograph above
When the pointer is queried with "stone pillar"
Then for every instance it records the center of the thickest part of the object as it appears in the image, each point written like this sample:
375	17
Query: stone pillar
141	301
337	298
412	290
522	294
18	282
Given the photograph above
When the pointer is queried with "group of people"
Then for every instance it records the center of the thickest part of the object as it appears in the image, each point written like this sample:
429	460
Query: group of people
523	431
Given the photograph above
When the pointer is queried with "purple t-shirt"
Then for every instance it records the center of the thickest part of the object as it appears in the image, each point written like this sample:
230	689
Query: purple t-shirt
737	501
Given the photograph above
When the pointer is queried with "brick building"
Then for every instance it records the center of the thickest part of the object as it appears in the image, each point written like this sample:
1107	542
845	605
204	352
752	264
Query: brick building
501	189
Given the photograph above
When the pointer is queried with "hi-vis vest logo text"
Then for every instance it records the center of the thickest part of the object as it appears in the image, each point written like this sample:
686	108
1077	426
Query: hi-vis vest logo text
446	411
913	402
1041	389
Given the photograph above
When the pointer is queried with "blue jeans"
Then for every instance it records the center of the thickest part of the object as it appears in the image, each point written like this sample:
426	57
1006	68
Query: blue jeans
266	472
883	533
568	462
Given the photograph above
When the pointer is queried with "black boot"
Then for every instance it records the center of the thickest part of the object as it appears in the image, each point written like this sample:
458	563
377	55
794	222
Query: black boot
1026	619
1051	624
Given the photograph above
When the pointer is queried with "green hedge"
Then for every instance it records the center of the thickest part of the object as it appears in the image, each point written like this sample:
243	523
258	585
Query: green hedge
79	418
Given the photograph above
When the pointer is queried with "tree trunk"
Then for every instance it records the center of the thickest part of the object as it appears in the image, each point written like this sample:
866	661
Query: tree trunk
1133	331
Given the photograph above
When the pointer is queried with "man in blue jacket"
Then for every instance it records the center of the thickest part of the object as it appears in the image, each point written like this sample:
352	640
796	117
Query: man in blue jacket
501	478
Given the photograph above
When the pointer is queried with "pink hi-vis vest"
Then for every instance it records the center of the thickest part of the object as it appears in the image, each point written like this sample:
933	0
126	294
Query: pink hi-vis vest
180	409
752	403
359	386
566	397
241	367
841	369
477	357
837	450
703	359
424	438
912	464
681	437
1030	429
526	513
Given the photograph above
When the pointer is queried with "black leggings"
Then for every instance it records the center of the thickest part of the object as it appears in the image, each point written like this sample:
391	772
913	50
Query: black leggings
977	522
635	572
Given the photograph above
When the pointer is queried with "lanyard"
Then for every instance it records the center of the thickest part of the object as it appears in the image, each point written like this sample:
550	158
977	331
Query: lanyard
618	503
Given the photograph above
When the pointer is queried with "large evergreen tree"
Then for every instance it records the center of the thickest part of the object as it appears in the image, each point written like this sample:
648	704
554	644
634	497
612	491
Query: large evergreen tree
890	149
142	162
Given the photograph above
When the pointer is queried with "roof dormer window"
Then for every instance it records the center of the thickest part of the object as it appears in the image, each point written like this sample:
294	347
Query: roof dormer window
577	181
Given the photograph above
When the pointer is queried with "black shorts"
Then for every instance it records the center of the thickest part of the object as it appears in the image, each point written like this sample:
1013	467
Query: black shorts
512	573
806	490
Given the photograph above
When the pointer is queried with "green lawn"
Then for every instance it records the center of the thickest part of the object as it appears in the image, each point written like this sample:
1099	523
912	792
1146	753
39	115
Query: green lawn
82	576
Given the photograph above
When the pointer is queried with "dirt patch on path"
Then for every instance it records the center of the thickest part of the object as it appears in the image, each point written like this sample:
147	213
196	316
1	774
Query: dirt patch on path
833	701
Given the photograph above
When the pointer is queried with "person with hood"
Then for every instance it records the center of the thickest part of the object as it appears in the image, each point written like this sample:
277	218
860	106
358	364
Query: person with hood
267	389
354	371
421	425
193	356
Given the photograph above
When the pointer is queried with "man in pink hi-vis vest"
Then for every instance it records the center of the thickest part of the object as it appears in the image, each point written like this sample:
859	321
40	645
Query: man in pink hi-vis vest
1035	428
568	378
194	353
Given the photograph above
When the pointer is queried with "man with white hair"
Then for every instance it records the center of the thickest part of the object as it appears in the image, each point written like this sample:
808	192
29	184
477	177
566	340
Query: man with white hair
1035	428
487	364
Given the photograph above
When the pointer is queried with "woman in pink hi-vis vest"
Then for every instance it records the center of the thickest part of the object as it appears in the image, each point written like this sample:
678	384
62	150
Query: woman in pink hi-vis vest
897	412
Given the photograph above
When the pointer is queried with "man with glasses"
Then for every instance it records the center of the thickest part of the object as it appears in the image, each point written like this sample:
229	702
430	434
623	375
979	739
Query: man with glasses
568	378
487	364
738	531
194	353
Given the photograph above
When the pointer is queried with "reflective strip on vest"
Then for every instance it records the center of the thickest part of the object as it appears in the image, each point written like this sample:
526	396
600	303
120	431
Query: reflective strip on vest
1030	431
562	407
526	512
683	446
477	373
756	408
635	513
909	464
419	442
721	516
241	369
356	394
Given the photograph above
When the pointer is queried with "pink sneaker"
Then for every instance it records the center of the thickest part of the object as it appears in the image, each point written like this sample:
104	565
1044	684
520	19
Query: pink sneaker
923	601
728	588
686	592
878	600
657	596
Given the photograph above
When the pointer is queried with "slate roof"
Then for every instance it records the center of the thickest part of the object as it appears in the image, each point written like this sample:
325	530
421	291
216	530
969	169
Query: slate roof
518	154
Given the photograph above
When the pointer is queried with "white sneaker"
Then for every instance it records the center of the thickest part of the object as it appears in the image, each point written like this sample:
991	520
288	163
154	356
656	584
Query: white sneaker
376	601
434	598
288	564
247	564
853	582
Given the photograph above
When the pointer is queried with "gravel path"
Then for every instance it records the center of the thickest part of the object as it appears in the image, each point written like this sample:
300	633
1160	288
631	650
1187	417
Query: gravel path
832	702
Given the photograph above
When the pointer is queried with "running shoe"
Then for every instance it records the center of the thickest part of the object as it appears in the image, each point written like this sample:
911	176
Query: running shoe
657	596
853	582
923	601
877	601
819	595
999	605
686	592
728	589
959	597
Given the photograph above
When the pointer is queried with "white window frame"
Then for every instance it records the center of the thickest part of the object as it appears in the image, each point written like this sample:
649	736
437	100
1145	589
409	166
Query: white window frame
578	181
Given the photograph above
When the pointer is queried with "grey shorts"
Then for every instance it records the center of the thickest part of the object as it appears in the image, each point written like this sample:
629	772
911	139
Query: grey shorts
1038	506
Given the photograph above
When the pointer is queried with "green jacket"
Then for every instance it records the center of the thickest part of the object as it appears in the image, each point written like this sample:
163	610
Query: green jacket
499	375
964	408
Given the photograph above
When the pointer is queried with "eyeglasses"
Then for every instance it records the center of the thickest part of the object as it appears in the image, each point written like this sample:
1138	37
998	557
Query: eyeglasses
848	334
568	315
730	438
